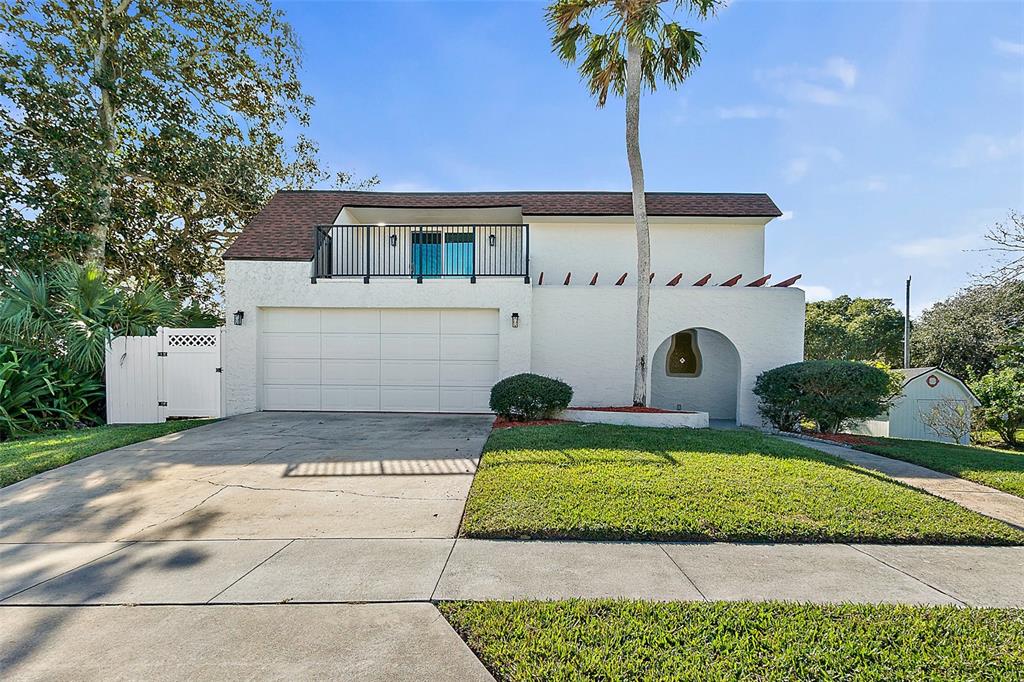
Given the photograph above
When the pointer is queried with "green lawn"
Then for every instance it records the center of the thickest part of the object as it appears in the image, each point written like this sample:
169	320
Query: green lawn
1001	469
628	640
601	482
26	457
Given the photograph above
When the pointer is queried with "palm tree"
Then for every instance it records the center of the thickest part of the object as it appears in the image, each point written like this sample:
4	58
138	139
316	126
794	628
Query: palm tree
71	312
638	46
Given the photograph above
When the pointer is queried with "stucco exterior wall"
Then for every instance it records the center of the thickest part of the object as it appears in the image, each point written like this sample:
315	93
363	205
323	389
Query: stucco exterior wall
723	247
252	285
714	391
586	335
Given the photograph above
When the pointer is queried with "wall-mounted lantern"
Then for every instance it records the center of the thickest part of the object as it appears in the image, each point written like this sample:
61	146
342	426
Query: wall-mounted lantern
394	240
239	316
492	240
515	320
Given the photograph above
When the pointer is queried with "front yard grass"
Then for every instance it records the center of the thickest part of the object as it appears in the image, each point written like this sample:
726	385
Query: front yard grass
600	482
1000	469
620	640
26	457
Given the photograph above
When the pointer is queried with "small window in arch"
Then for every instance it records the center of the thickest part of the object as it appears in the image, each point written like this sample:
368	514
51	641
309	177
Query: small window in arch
684	355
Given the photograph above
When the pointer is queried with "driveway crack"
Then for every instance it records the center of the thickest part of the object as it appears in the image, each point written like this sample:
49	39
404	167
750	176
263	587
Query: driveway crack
179	515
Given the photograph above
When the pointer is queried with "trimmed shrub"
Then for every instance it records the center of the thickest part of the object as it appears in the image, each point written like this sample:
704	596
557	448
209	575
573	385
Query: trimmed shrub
829	393
526	397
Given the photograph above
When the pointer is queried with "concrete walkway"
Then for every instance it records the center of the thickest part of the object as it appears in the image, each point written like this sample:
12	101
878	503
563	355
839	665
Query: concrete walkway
198	572
974	496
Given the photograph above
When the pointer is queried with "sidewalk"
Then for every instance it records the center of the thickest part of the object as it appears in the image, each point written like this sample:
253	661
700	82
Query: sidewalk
974	496
419	570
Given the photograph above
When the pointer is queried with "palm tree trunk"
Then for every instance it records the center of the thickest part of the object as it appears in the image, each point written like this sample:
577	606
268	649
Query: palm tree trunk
643	234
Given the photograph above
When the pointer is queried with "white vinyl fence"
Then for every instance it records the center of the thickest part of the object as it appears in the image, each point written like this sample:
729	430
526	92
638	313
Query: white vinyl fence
176	373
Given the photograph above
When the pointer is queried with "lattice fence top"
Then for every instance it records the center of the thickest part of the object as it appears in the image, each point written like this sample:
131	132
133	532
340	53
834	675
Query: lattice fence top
192	339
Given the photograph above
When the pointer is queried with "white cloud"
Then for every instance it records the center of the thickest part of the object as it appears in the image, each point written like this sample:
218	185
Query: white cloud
786	215
796	169
824	85
1008	47
816	292
841	69
749	112
872	183
940	248
977	149
798	166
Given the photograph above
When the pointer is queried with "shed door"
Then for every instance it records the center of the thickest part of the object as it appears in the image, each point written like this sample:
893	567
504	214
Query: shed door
389	360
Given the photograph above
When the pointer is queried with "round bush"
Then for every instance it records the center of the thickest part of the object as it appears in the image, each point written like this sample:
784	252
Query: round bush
828	392
526	397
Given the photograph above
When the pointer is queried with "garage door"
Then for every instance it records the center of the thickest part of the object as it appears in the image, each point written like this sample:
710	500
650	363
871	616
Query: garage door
389	360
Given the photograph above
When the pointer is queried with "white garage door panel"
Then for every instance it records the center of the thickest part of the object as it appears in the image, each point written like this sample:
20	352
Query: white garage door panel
350	321
409	399
469	322
351	346
465	399
291	397
409	321
469	347
293	371
350	398
469	374
290	346
410	346
350	372
291	320
386	359
410	373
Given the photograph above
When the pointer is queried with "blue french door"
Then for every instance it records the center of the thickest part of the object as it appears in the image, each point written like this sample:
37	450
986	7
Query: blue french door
431	258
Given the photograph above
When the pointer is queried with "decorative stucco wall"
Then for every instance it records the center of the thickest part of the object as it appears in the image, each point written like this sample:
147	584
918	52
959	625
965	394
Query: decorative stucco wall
586	335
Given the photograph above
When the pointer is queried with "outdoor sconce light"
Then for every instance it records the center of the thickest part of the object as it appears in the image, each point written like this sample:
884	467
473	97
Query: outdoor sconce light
239	314
491	239
394	240
515	320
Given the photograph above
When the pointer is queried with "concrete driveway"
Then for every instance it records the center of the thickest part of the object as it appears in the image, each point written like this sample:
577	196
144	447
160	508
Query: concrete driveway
336	508
261	476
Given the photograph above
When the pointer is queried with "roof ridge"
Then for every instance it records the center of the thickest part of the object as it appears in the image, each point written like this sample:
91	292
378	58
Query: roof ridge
514	192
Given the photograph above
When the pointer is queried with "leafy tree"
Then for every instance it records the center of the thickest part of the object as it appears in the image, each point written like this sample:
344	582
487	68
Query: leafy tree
966	330
854	329
1007	243
140	135
1001	391
636	46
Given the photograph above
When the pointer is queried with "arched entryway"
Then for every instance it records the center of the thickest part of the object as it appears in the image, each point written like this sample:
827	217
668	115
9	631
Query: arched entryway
696	369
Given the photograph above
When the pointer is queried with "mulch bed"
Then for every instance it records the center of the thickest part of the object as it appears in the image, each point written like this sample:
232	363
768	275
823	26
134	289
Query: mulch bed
846	438
643	410
500	423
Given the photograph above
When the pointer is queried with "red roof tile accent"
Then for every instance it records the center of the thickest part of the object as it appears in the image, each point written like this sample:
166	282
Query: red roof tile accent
283	229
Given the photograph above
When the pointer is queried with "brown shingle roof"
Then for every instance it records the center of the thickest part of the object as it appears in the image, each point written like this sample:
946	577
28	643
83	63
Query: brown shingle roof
282	230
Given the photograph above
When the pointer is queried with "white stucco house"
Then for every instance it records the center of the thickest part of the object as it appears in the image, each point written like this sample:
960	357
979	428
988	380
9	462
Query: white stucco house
383	301
924	389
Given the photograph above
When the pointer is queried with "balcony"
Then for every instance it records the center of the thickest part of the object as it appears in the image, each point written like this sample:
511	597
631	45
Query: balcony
421	251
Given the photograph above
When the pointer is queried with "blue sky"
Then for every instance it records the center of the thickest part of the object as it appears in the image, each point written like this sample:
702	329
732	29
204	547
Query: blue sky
891	133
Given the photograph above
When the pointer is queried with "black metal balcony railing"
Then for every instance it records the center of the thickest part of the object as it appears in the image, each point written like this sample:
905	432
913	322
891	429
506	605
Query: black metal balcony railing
421	251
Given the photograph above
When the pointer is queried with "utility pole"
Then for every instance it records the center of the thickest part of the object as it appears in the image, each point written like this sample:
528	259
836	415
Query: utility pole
906	330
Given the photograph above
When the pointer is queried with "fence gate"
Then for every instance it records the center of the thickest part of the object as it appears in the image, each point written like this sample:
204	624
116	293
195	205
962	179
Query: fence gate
176	373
